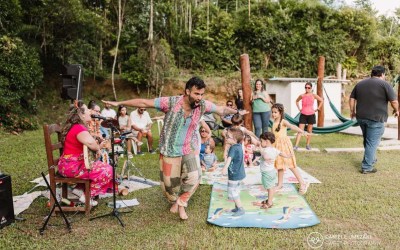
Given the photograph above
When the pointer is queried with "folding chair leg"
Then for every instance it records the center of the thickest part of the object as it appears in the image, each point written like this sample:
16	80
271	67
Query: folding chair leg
52	194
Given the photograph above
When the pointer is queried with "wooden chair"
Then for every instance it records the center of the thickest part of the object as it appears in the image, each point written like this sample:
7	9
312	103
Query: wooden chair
55	178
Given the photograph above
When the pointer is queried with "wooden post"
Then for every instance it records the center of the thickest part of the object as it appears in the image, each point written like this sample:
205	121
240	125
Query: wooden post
246	87
339	71
398	118
320	90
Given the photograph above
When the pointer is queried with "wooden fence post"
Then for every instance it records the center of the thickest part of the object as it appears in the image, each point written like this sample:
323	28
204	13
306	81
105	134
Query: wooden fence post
320	90
246	87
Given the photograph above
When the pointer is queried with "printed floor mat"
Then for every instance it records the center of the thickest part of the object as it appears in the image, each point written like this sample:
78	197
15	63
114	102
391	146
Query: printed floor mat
253	176
290	210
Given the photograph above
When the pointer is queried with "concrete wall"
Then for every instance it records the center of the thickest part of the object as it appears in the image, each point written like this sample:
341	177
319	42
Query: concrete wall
287	93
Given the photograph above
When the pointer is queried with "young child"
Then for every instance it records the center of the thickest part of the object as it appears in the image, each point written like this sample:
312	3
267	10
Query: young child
267	161
209	159
248	151
283	144
237	121
235	167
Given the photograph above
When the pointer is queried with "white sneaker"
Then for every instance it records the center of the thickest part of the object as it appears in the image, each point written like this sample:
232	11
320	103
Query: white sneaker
93	203
78	192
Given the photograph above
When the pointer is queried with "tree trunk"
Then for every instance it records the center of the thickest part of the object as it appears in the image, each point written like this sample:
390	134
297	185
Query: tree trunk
208	17
320	89
120	21
249	9
190	19
245	73
339	71
152	52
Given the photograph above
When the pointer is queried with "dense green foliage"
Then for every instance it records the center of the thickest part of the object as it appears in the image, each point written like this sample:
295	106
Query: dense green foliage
283	38
20	72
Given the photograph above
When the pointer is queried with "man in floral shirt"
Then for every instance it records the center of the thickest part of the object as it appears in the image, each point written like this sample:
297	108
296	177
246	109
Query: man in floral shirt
180	140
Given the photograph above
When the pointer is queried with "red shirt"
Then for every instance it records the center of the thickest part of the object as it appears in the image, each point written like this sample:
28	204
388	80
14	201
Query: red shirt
72	145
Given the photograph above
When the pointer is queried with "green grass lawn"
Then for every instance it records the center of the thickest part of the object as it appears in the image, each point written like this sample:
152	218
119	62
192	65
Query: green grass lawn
350	205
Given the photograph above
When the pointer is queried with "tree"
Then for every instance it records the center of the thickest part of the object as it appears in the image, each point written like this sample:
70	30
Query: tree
20	75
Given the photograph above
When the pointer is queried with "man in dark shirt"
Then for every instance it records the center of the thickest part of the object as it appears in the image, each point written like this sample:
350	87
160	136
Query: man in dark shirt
368	103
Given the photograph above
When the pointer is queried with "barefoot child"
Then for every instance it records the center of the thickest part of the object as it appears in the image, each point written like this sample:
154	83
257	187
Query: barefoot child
234	165
267	161
283	144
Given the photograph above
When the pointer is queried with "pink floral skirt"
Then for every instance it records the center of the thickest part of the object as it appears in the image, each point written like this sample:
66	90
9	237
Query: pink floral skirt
100	175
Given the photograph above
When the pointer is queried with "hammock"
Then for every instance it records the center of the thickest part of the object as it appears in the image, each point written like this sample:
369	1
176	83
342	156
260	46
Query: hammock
346	123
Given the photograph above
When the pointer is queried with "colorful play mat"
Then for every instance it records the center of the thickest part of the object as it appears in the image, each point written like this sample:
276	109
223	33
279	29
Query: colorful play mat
253	176
290	210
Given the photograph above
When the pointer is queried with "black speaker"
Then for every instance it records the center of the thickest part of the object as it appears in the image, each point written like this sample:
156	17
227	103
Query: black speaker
6	201
72	82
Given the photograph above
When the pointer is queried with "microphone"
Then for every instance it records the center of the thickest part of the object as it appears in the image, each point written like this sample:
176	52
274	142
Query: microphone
99	117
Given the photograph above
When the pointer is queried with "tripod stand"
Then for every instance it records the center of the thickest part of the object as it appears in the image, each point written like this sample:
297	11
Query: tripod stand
128	164
114	212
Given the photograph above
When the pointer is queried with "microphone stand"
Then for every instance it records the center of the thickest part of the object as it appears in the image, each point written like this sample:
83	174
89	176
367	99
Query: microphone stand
115	211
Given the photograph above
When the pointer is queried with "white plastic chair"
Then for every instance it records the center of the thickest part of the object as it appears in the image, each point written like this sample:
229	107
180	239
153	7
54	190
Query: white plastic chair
160	124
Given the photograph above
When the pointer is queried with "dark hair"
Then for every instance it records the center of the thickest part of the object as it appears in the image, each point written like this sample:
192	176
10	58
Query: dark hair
73	117
91	104
378	71
211	147
237	134
247	137
195	81
268	136
281	110
262	84
119	110
229	101
309	84
237	119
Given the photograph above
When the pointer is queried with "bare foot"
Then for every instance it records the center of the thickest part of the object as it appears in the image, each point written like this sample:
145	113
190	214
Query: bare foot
182	213
174	208
277	188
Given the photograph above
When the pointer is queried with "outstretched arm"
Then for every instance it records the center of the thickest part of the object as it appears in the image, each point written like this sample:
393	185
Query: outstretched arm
224	110
140	103
294	127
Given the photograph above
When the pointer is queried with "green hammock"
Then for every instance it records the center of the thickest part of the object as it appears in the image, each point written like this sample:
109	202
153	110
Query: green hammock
346	123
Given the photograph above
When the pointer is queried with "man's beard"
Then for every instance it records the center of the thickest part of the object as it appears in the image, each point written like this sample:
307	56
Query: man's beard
193	104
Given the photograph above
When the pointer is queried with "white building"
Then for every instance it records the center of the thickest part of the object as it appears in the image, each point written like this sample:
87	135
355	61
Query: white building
286	91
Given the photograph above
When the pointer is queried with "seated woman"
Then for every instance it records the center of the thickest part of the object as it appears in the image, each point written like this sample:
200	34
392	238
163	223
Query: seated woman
205	138
75	135
125	125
